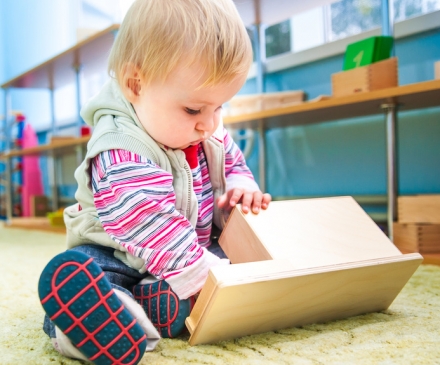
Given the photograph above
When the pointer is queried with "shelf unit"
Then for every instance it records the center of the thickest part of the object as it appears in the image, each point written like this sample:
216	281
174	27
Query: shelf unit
82	60
388	101
3	181
89	56
8	141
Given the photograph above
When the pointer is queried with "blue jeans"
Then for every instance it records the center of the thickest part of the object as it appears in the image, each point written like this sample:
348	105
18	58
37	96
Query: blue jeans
119	275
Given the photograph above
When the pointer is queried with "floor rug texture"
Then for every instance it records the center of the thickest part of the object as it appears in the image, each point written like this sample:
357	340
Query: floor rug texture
407	333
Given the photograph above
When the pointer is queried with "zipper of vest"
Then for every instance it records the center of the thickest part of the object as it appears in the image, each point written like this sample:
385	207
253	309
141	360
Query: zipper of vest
189	175
223	178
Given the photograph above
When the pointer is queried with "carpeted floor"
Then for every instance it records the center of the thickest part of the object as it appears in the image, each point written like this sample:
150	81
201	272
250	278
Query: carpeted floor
407	333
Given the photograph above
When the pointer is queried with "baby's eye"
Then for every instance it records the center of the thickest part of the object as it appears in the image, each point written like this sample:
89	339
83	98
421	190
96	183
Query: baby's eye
192	111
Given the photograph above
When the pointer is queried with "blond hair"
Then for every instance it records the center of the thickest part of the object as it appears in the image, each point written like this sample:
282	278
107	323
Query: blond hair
157	35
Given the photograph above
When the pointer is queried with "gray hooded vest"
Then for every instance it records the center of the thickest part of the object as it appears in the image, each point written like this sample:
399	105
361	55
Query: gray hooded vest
116	126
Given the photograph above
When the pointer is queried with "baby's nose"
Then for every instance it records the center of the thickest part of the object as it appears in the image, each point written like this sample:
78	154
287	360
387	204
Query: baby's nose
205	124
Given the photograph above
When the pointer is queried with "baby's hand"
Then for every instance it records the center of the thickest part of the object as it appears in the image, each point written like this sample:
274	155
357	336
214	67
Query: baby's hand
256	199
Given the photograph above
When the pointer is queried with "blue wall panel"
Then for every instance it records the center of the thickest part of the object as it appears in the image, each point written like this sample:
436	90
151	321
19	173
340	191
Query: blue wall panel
417	55
348	156
313	78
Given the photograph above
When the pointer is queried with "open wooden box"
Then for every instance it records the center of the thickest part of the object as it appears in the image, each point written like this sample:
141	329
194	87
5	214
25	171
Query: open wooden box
378	75
299	262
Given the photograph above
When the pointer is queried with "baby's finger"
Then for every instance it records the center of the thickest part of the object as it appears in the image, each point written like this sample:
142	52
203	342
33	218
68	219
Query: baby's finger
235	197
256	203
267	198
246	201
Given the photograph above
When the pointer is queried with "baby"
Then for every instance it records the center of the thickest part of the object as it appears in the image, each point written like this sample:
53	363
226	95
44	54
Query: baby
158	180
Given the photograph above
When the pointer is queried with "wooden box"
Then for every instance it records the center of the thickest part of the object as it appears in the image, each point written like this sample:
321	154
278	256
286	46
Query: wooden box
418	209
417	237
299	262
379	75
437	70
246	104
38	205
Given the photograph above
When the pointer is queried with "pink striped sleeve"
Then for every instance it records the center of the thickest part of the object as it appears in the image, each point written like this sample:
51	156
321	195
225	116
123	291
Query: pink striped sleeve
135	202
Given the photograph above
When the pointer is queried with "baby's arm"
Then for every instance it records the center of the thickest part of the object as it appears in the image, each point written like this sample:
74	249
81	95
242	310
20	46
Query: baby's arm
240	184
135	202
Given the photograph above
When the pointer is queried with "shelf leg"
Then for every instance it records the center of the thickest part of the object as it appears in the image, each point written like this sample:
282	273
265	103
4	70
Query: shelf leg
8	189
8	163
52	112
77	68
392	184
262	155
258	35
52	161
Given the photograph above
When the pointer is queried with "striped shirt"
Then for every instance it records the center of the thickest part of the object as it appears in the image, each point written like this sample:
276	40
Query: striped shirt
135	201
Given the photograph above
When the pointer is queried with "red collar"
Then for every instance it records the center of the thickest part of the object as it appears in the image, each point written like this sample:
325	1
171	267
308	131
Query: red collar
191	156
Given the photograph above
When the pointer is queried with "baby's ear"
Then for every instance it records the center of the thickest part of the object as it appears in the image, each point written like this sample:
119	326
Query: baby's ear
131	82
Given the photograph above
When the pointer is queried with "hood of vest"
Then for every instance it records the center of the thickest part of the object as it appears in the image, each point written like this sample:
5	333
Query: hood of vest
109	101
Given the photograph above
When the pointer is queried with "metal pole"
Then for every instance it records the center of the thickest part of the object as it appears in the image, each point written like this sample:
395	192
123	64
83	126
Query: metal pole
7	122
52	111
257	33
386	26
262	155
8	165
258	36
392	184
53	180
77	68
388	20
9	189
79	121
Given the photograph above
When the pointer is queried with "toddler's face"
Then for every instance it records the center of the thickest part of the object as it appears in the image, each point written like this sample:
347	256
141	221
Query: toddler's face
177	113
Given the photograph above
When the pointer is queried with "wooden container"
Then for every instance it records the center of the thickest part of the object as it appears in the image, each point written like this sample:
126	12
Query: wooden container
379	75
419	209
298	262
38	205
417	237
246	104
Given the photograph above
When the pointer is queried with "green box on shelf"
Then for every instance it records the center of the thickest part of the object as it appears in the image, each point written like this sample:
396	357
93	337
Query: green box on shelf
367	51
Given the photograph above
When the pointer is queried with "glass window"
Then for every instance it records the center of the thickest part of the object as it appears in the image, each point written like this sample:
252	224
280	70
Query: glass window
278	38
404	9
308	29
350	17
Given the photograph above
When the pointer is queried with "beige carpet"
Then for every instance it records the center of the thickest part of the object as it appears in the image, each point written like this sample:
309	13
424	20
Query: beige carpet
407	333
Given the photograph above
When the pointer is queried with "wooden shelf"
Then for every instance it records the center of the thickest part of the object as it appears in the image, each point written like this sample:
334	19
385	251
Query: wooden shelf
58	147
413	96
90	54
34	223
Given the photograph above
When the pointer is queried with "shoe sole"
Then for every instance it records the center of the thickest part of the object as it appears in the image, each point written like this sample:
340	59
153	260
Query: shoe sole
163	307
80	301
